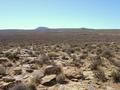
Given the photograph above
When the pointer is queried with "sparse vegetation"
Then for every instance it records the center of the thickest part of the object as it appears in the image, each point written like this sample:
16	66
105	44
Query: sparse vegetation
12	56
100	75
2	70
95	62
53	69
60	78
21	86
116	75
50	60
53	55
107	53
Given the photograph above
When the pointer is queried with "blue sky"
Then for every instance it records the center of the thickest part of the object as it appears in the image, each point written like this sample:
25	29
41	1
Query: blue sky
60	13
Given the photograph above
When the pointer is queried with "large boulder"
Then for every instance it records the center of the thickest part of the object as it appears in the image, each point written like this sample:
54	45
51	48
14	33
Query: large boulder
52	69
73	73
36	76
48	80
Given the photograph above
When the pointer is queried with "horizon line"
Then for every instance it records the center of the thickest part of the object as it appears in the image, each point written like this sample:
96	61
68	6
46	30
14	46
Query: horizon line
56	28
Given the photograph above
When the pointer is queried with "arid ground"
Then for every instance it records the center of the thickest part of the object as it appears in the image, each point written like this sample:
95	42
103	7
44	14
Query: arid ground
60	59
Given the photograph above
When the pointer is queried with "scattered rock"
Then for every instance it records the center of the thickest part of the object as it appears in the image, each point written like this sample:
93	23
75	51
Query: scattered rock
73	73
36	76
21	86
60	78
52	69
29	70
18	77
17	71
4	59
8	79
89	75
48	80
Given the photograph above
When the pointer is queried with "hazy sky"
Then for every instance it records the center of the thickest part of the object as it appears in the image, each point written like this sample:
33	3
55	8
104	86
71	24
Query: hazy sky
60	13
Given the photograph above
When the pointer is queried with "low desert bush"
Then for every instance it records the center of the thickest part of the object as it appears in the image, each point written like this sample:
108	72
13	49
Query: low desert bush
100	75
116	75
12	56
107	53
115	61
70	50
77	62
21	86
2	70
84	56
60	78
53	55
53	69
95	62
44	59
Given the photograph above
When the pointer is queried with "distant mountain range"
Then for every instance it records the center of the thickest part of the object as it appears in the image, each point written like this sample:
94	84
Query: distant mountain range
46	29
60	31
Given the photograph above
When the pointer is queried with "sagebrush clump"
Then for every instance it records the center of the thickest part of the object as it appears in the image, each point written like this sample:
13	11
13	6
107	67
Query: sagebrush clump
2	70
100	75
96	61
116	75
21	86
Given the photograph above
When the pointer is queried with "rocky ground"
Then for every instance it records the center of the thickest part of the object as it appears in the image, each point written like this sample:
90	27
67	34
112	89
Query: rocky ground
90	66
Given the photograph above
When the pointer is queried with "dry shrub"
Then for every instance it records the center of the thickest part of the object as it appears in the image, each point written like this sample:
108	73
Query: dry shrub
21	86
77	62
115	61
64	57
95	62
2	70
100	75
32	53
53	69
52	54
60	78
44	59
70	51
77	49
116	75
12	56
36	77
107	53
98	51
83	56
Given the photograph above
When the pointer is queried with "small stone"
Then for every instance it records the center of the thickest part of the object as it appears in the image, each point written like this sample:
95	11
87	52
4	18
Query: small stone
3	59
36	76
60	78
8	79
88	75
17	71
9	65
18	77
1	76
52	69
33	67
48	79
29	70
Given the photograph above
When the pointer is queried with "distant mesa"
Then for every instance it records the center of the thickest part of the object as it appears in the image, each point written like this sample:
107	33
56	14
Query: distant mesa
42	29
84	28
